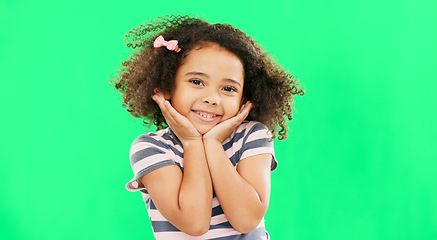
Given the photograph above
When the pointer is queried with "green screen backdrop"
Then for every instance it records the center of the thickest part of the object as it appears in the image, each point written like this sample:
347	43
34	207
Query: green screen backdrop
360	162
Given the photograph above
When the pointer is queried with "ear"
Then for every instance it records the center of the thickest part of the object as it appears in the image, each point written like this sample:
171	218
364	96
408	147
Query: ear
167	95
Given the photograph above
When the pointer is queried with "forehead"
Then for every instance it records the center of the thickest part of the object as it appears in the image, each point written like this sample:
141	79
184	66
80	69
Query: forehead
213	59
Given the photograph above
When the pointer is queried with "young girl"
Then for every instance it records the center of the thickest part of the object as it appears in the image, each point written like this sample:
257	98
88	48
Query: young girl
217	101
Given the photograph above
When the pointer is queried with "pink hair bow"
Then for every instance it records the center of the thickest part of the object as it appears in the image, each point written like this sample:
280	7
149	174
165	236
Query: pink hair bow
171	45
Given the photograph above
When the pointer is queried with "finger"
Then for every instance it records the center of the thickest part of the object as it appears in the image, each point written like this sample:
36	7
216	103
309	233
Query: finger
165	107
165	104
245	109
247	105
240	117
159	99
243	113
242	107
172	116
173	113
181	126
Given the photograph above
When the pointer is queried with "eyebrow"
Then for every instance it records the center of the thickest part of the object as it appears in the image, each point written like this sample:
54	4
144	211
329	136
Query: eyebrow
207	76
197	74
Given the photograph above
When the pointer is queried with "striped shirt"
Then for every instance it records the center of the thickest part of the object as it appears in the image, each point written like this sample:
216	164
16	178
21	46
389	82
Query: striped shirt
151	151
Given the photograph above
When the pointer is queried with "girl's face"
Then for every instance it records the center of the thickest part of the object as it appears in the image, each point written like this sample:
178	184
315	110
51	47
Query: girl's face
208	87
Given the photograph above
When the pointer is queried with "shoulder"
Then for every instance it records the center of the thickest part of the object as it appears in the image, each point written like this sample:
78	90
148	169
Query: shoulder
252	138
150	151
153	143
161	139
252	129
153	137
253	126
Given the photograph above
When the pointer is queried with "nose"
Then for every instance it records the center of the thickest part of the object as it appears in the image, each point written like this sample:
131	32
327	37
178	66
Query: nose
211	98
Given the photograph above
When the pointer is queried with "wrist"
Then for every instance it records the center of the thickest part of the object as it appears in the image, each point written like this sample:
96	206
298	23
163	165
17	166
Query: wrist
208	137
186	143
211	141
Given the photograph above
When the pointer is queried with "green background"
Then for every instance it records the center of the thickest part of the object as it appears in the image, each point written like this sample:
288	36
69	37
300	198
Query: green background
360	162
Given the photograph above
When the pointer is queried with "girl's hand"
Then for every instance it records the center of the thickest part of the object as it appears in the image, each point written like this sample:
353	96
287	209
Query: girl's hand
222	130
179	124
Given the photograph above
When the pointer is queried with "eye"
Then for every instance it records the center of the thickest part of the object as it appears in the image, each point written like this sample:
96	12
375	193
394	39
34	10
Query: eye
196	82
229	89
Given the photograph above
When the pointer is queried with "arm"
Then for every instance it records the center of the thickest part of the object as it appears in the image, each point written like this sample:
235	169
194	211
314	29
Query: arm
184	199
243	193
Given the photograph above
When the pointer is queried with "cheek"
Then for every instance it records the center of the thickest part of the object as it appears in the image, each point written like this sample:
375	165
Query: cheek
180	101
234	107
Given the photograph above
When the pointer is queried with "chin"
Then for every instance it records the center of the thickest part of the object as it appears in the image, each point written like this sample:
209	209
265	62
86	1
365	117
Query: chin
202	130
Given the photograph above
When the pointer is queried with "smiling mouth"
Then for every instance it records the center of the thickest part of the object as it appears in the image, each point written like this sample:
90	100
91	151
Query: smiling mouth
206	116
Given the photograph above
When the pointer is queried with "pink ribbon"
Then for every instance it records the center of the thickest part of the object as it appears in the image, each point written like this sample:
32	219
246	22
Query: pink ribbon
171	45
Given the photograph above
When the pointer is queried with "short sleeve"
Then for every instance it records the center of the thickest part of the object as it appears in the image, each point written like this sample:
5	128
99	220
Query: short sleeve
146	154
258	141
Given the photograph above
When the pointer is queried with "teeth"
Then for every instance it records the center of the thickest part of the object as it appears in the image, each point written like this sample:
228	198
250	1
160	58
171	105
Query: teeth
205	115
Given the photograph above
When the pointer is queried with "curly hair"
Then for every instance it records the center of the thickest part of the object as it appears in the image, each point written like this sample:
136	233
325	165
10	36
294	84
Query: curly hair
268	86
